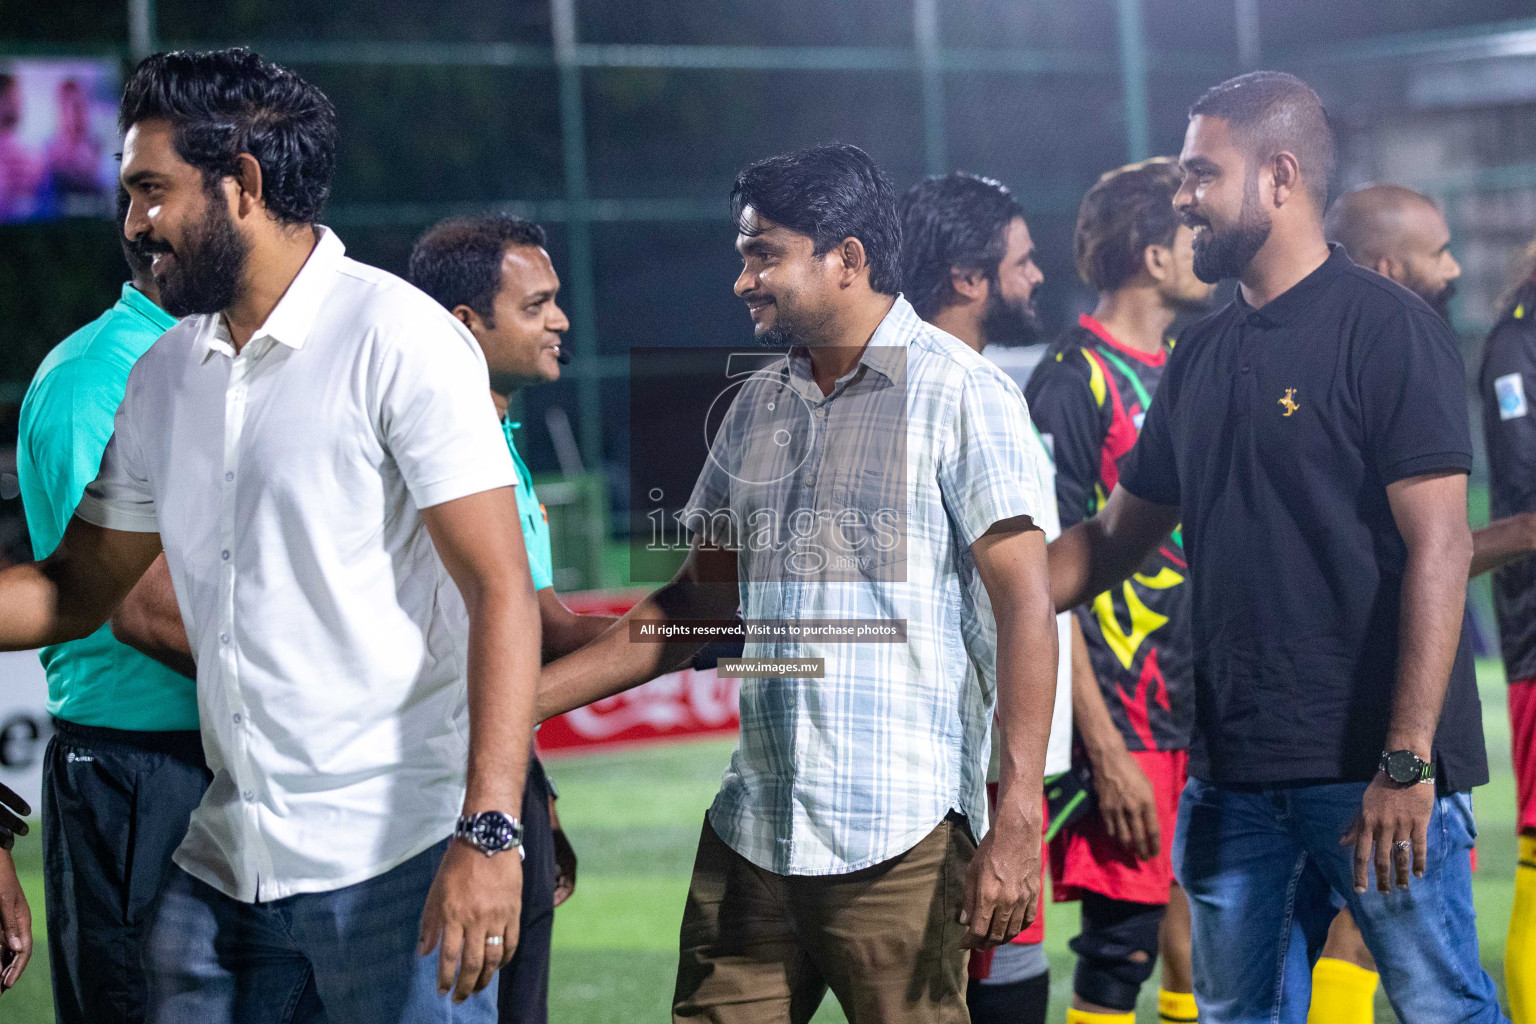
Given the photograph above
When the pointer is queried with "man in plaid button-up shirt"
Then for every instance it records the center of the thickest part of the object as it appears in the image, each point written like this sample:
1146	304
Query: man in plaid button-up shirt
882	470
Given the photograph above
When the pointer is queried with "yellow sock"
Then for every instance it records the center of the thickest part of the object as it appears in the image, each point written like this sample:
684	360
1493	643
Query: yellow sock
1177	1007
1520	949
1084	1017
1342	993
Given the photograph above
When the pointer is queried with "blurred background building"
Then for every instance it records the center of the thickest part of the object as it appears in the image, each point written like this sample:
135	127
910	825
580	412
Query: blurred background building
620	124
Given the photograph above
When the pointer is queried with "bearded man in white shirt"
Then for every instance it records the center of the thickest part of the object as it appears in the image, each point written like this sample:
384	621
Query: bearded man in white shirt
312	448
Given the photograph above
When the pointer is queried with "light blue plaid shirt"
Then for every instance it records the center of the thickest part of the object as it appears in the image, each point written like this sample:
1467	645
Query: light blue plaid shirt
863	504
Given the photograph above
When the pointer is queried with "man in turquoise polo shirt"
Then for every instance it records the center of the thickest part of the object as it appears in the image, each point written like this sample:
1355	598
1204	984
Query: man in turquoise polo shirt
124	769
495	276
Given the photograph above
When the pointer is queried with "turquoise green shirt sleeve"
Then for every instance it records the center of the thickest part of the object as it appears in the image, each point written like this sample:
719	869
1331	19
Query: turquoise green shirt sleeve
64	430
541	561
67	418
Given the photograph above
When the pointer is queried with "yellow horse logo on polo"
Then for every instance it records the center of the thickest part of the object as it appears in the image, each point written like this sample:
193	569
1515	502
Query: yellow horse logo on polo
1288	401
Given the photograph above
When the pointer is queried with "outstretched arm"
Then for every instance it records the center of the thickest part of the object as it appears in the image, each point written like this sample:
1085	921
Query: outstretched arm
1100	552
69	594
704	588
1503	541
149	620
565	631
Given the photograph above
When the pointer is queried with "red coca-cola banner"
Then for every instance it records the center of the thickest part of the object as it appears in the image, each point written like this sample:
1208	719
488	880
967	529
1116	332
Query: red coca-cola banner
684	705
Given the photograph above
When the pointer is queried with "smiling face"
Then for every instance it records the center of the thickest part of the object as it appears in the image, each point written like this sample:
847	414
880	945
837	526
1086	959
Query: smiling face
788	289
522	339
1219	200
182	222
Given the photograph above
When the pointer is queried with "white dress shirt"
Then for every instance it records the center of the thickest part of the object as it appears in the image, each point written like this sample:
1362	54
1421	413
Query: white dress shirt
286	483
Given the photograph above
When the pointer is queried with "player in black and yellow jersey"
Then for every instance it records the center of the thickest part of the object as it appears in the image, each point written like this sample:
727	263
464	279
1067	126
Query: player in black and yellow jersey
1132	696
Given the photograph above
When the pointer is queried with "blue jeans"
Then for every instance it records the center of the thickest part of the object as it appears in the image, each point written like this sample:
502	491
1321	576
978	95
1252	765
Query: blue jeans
342	957
1266	875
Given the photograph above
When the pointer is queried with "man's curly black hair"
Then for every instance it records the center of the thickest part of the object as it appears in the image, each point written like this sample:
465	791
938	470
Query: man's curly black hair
221	103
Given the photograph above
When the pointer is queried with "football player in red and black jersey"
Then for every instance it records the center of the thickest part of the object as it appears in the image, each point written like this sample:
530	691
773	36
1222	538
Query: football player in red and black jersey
1133	702
1506	379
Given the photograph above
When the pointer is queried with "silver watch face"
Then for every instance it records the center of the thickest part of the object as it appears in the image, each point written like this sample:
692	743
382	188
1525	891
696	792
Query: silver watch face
493	831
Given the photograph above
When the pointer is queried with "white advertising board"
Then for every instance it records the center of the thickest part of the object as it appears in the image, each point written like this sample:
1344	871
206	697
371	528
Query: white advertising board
24	724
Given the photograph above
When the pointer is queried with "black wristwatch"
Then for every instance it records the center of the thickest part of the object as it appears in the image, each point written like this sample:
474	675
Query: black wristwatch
1405	768
490	832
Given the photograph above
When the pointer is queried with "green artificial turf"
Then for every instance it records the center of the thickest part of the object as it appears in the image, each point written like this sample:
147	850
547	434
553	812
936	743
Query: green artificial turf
635	817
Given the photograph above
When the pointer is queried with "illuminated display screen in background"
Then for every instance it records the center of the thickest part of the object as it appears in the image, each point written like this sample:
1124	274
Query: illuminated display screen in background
58	138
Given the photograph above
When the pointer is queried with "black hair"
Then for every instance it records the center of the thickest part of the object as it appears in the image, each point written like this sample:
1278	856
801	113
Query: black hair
955	221
1125	211
829	193
222	103
458	261
1272	112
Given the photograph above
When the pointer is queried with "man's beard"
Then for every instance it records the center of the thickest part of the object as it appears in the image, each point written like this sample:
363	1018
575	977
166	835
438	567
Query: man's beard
1441	303
1009	324
1227	254
205	275
792	327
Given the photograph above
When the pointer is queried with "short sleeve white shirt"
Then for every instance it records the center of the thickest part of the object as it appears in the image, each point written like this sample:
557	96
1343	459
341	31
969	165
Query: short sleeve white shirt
286	482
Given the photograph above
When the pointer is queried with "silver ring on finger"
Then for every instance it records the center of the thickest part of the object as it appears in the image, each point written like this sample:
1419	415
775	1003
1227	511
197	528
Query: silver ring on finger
493	940
1403	846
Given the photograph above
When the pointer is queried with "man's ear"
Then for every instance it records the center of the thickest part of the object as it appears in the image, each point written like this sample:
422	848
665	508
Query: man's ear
1389	268
469	318
1285	171
852	259
248	181
969	285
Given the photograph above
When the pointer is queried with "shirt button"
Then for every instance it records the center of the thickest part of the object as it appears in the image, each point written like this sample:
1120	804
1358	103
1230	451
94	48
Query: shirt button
224	554
228	477
1246	368
810	481
223	638
236	717
249	796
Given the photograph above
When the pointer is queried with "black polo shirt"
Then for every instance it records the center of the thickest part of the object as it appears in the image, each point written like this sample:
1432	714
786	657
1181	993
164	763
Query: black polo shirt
1276	432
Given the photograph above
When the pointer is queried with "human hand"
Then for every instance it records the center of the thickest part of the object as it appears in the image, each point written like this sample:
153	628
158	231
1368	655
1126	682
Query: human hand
15	924
1002	883
1127	804
473	898
565	858
1392	826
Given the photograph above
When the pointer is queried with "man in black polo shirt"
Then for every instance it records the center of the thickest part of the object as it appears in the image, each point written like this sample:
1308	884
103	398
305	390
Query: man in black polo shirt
1312	436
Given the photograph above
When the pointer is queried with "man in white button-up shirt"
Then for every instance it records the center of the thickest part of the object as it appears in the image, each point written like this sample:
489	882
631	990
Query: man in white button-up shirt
313	448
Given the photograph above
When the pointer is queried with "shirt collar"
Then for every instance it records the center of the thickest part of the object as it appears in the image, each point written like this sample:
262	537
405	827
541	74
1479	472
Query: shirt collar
291	319
886	353
136	302
1101	332
1301	298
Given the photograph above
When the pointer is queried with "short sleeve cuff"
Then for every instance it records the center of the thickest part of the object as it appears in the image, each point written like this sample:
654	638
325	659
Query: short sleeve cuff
462	485
1157	496
1421	465
112	517
982	517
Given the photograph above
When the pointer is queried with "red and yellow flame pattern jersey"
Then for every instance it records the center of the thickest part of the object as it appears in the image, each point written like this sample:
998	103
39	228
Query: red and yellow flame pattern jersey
1088	398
